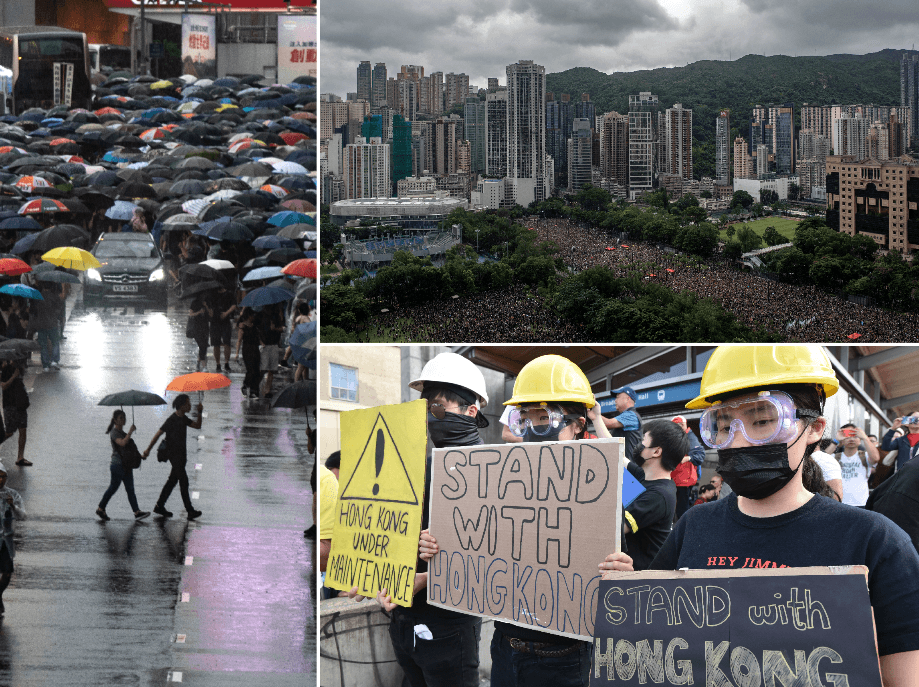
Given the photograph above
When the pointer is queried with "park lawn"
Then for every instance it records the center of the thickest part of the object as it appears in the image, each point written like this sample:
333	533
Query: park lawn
786	227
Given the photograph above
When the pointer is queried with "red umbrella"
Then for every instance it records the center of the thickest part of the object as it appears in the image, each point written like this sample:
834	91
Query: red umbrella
624	246
292	137
854	335
60	141
39	205
669	270
13	267
610	248
651	274
298	205
29	183
305	267
108	110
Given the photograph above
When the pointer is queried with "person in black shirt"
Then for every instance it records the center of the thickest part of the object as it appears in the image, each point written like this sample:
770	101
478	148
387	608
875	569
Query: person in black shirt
176	428
15	405
648	517
763	412
248	340
272	326
898	499
222	308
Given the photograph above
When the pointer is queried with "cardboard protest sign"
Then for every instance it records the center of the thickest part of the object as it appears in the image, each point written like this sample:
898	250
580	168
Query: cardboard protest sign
522	528
380	501
792	626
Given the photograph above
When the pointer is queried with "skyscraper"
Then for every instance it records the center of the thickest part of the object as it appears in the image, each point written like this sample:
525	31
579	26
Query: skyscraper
678	137
784	133
496	133
741	159
909	89
722	147
366	169
558	131
642	108
457	88
378	85
580	155
614	148
526	131
476	133
364	81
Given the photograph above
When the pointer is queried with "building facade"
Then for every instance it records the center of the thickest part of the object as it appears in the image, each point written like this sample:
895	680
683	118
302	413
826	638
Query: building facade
367	169
614	148
642	115
879	199
723	147
580	155
496	133
526	131
677	134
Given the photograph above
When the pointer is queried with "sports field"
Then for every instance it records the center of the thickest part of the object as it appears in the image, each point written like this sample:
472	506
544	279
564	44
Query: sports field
786	227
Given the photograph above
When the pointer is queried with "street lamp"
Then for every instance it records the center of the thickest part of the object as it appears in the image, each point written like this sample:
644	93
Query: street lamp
476	240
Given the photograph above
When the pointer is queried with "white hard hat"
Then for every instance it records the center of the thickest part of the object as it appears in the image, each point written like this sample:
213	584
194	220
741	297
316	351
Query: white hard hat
450	368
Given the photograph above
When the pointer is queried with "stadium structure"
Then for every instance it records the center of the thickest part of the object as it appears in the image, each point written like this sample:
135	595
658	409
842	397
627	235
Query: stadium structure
371	254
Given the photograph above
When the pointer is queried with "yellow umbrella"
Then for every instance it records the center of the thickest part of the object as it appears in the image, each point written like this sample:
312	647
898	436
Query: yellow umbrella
161	84
227	106
71	258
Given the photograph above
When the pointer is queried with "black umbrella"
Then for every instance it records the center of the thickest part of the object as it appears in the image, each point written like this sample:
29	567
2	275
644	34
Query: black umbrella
300	394
60	235
132	398
200	287
57	277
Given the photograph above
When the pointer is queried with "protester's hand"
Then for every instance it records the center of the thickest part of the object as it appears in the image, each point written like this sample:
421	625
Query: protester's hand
200	408
385	600
618	562
686	459
896	424
132	429
861	434
9	499
352	594
427	546
145	453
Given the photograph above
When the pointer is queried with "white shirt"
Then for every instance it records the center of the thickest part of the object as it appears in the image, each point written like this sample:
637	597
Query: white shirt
828	464
854	479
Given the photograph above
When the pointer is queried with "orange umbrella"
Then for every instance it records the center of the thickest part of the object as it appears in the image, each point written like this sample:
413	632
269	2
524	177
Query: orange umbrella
305	267
199	381
610	248
854	335
651	274
669	270
624	246
13	267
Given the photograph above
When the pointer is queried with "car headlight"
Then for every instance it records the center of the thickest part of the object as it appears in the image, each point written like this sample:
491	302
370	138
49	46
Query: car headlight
93	275
157	274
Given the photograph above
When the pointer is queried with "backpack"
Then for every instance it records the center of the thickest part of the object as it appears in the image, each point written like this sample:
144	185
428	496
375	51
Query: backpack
130	455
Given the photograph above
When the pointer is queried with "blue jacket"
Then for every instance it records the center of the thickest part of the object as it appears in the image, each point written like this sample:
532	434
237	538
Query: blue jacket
901	445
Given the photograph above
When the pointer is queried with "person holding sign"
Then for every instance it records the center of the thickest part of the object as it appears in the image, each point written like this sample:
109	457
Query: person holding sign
552	401
437	647
763	412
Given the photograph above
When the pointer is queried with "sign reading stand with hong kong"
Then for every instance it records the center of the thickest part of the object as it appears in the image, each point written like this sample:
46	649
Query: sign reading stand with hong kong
297	47
794	627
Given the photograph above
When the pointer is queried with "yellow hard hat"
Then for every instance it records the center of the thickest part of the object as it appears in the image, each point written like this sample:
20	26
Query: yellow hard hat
551	379
739	367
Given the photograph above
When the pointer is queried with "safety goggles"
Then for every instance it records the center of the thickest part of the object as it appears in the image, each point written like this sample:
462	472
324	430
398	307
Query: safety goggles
769	417
438	411
542	419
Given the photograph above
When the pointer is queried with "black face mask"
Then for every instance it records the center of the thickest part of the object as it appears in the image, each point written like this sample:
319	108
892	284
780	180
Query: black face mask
756	472
453	430
637	458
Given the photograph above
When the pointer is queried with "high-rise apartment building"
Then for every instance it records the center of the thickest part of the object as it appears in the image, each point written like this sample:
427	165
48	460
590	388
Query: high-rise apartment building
909	89
677	135
741	159
378	85
877	146
812	146
492	84
456	89
526	131
444	149
614	148
364	81
476	132
580	155
558	131
873	198
366	169
496	133
423	130
723	147
762	160
817	118
850	136
642	112
436	96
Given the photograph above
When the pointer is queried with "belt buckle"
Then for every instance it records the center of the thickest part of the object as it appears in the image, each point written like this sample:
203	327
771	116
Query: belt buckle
518	645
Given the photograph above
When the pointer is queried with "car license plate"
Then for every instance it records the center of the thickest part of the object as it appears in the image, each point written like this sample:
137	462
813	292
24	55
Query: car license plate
124	288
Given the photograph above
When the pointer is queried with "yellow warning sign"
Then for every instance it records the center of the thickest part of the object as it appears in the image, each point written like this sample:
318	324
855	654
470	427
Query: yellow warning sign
378	514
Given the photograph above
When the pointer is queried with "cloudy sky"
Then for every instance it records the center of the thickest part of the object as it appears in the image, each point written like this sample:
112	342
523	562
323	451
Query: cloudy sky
481	37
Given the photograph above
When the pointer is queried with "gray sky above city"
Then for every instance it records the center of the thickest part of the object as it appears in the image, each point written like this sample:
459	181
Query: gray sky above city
481	37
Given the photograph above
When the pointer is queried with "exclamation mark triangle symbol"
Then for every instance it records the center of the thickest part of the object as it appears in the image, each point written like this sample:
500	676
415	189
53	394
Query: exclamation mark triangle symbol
380	473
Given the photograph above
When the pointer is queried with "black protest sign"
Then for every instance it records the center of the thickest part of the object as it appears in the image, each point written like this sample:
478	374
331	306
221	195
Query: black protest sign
795	627
522	528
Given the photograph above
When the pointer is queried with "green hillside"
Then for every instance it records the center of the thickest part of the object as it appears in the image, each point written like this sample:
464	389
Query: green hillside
710	86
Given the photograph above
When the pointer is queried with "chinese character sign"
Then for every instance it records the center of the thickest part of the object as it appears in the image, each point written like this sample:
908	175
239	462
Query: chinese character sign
199	45
297	47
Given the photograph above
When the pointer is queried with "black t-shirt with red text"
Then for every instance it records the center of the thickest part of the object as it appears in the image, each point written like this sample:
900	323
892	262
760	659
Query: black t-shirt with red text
821	532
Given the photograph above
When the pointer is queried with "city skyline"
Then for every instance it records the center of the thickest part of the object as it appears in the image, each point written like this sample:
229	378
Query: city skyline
481	40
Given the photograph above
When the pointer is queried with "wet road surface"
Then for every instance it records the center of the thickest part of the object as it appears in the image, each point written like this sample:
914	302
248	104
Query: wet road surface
223	600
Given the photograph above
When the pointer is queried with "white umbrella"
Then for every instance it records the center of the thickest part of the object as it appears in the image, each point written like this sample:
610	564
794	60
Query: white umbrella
122	209
285	167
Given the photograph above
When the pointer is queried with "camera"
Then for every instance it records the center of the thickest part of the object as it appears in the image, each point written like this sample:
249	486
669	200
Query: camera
910	420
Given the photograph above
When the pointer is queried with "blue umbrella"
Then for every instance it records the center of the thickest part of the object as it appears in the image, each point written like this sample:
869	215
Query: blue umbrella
282	219
122	210
21	223
267	295
23	245
24	291
303	335
265	243
270	272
